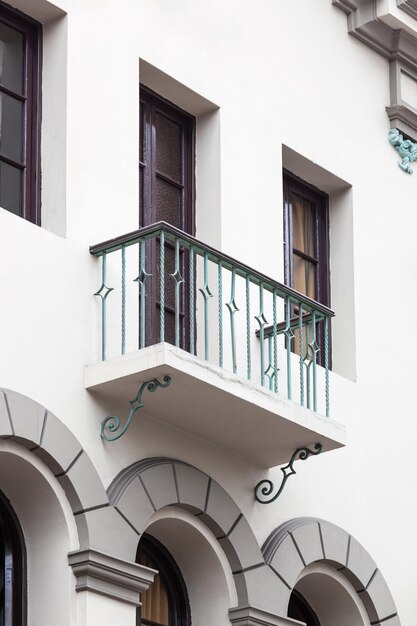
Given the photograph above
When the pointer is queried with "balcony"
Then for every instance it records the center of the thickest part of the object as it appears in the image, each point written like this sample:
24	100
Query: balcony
245	357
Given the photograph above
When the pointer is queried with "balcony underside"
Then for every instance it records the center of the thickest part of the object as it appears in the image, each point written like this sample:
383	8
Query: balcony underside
215	404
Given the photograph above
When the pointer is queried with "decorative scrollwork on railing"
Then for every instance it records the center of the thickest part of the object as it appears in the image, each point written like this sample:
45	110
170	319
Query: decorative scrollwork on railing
110	426
266	487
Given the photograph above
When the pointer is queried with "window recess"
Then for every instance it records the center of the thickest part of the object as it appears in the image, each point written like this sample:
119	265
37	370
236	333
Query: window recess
20	49
306	249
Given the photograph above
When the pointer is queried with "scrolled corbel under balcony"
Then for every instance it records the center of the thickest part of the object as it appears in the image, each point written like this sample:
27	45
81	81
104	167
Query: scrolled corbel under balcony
242	350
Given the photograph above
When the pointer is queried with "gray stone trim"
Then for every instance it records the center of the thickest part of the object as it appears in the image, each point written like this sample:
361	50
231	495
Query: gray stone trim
403	118
103	574
397	45
149	485
409	6
364	25
299	542
29	424
251	616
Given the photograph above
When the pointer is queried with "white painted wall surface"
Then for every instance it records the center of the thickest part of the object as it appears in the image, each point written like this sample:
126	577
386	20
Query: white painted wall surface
281	73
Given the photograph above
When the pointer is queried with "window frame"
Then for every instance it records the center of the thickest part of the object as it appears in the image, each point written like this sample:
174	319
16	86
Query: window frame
31	97
294	184
10	527
152	104
179	614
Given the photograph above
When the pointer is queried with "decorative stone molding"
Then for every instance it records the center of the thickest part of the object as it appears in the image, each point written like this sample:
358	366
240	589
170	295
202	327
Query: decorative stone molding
296	544
149	485
409	6
402	118
31	425
250	616
111	577
365	25
402	112
395	44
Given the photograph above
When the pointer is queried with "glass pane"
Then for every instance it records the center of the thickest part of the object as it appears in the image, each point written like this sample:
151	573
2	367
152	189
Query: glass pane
10	188
155	605
11	58
168	147
304	277
168	203
11	127
141	196
2	579
141	131
169	269
303	225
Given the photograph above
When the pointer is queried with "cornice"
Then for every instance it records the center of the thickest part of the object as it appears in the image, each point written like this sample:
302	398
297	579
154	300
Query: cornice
364	25
251	616
403	118
109	576
409	6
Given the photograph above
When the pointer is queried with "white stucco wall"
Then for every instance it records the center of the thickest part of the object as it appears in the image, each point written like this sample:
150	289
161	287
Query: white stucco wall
281	74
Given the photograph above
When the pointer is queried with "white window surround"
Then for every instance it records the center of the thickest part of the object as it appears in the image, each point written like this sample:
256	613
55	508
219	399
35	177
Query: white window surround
342	299
53	109
207	165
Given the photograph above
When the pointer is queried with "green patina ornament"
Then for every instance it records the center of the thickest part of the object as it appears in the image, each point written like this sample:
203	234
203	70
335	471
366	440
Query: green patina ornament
406	148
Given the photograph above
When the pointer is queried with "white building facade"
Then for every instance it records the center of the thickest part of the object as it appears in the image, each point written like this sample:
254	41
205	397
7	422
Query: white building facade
207	244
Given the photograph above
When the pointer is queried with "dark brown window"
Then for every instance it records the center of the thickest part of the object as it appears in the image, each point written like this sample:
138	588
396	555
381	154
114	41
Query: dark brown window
166	164
306	245
12	568
166	601
306	226
20	40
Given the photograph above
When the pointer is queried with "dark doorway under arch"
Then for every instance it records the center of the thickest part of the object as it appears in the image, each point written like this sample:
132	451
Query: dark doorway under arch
299	609
12	567
166	601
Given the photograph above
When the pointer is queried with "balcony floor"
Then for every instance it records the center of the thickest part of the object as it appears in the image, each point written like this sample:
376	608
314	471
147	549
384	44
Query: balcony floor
215	404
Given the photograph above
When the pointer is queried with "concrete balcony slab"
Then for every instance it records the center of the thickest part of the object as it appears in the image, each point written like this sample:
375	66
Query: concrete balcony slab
215	404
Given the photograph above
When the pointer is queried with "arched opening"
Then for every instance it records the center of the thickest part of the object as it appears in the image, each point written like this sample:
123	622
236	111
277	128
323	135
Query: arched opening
202	563
49	532
12	567
300	610
165	603
322	596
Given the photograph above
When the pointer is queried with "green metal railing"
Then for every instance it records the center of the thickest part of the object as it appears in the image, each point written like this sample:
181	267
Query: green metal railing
199	299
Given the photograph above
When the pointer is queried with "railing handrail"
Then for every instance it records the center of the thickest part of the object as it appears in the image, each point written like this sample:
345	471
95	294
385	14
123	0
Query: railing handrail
243	270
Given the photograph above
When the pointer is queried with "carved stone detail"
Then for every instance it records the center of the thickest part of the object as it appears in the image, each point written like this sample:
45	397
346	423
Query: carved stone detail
101	573
250	616
406	149
409	6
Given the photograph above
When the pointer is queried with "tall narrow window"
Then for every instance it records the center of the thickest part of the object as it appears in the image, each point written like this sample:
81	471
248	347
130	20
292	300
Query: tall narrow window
166	165
12	564
20	40
166	601
306	242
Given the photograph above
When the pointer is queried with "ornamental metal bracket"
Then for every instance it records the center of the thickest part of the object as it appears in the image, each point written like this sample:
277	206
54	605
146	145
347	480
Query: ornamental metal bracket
406	148
111	424
266	487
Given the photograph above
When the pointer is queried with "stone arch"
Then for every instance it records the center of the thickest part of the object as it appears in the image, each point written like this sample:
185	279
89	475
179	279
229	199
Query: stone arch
31	425
149	485
303	541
